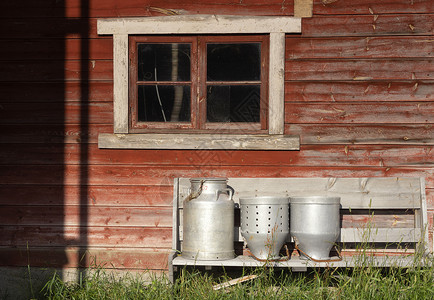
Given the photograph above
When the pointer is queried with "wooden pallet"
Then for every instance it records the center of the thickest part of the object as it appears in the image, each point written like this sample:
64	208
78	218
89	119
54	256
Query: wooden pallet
385	216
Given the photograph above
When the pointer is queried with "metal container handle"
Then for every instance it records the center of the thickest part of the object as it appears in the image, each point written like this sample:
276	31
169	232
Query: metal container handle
222	191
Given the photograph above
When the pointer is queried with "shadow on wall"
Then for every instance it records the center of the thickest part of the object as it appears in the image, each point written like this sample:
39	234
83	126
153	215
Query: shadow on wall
36	58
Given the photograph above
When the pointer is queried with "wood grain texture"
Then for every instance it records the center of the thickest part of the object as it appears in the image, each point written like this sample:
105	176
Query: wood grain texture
370	134
309	155
40	71
124	196
200	142
160	175
360	113
363	61
361	7
61	215
276	88
118	8
368	25
362	91
57	49
359	47
101	236
199	24
319	26
69	257
48	113
113	8
59	92
120	83
359	70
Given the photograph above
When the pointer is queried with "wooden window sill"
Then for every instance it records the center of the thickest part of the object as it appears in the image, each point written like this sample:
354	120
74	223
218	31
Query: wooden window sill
198	141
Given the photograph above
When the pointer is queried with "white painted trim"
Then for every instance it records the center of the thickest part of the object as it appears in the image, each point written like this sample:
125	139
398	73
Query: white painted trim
199	24
276	91
120	83
198	141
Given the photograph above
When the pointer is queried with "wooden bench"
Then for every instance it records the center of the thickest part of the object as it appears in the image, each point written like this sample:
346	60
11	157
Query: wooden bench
385	216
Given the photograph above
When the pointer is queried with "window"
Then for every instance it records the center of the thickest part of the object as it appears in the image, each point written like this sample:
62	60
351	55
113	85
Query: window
178	92
216	83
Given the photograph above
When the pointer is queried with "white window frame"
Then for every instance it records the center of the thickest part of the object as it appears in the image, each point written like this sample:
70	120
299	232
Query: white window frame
276	27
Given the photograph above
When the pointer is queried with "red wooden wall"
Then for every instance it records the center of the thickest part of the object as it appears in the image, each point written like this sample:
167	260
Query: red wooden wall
359	92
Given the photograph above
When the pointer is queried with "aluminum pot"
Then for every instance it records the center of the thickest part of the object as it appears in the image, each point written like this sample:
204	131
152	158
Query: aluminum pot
315	225
208	220
265	225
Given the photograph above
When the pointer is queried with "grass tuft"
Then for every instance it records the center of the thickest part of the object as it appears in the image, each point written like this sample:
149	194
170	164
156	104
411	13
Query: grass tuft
362	282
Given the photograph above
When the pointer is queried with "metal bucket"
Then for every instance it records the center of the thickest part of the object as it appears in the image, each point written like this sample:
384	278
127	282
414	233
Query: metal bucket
265	225
315	225
208	220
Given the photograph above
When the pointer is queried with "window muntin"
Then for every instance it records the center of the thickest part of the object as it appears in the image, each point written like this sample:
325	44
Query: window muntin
198	83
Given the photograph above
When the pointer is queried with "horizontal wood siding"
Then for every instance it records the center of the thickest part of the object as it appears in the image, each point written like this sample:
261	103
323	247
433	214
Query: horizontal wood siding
359	91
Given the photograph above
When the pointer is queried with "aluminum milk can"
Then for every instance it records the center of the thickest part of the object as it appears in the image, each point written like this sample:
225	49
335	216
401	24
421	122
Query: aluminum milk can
315	225
208	220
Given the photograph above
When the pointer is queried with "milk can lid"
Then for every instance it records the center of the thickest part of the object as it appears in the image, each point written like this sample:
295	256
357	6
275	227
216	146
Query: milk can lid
204	179
315	200
264	200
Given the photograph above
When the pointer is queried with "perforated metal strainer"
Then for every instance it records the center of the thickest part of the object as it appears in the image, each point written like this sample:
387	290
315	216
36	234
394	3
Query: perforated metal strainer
265	225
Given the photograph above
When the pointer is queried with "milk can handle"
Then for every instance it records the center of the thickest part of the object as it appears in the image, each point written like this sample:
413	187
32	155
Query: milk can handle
218	192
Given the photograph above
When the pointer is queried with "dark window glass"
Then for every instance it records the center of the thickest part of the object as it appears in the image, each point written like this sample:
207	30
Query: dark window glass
234	62
164	62
233	103
164	103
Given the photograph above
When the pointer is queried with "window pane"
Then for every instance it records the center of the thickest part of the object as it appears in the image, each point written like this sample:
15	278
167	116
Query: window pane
163	62
233	103
164	103
233	62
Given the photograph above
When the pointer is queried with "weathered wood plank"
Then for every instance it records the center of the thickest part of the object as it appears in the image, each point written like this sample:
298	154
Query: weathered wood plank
368	25
363	134
199	24
303	8
52	133
378	221
55	49
199	142
70	257
305	113
61	215
380	235
114	8
128	8
310	155
58	27
95	236
430	199
59	92
319	26
56	113
40	71
359	47
94	196
359	91
120	83
355	193
276	88
150	175
360	113
359	70
357	7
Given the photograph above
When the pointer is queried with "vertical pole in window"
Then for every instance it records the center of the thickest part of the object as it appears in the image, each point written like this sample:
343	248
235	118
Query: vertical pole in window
276	105
120	83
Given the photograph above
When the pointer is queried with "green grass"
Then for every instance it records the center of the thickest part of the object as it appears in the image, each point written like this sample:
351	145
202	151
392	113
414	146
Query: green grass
363	282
